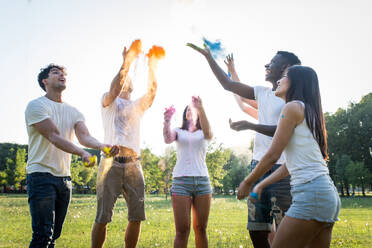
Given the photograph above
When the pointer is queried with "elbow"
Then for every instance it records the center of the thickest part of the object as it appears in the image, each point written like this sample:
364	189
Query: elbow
227	85
53	138
272	156
167	140
82	139
209	136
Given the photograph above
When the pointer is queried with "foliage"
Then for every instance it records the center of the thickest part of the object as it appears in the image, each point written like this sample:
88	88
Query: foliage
81	176
349	143
237	168
167	163
151	170
216	158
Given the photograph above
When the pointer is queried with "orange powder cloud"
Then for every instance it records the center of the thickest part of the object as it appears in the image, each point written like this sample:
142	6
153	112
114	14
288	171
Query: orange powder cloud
136	46
156	51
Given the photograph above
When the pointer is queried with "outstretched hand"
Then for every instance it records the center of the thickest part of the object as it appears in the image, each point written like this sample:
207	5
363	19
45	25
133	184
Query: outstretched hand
154	54
197	102
130	55
243	190
240	125
204	51
168	113
229	62
109	150
255	195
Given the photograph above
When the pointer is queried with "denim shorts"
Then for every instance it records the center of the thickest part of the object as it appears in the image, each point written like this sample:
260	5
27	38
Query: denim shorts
315	200
191	186
274	202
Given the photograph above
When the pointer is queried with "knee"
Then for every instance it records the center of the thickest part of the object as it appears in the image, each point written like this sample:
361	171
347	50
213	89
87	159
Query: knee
183	231
99	226
134	223
200	228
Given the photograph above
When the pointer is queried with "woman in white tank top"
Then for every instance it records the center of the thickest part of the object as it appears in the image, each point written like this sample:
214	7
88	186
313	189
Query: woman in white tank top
302	135
191	188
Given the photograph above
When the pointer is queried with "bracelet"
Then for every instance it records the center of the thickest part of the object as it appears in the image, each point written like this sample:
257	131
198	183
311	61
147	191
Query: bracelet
253	195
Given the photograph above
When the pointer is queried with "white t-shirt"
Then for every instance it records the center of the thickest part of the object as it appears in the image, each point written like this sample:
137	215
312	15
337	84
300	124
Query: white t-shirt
269	109
191	154
43	156
304	159
121	123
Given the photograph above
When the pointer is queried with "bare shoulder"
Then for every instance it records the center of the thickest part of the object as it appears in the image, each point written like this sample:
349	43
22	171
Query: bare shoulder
106	99
294	111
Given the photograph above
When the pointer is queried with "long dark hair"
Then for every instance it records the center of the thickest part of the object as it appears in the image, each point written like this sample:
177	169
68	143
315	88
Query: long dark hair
185	123
304	86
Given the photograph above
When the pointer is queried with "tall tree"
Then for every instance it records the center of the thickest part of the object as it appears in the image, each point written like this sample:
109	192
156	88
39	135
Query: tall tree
358	175
216	158
151	170
237	168
20	168
166	164
341	173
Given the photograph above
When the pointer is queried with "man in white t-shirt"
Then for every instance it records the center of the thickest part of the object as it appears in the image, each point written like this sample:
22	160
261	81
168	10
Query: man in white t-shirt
276	199
123	174
51	124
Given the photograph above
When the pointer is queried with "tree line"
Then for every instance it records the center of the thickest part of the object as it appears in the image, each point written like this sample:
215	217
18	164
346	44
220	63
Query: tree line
349	144
226	169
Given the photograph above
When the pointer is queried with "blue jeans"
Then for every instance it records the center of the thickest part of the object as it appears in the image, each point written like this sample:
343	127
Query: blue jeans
274	202
48	198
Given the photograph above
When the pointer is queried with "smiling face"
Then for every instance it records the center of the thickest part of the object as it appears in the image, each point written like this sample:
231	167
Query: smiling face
191	113
283	86
275	69
56	80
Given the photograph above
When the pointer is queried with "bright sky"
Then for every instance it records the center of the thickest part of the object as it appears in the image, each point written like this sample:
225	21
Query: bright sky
88	36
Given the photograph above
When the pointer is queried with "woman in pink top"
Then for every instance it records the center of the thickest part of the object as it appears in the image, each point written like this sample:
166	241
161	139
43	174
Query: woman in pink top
191	188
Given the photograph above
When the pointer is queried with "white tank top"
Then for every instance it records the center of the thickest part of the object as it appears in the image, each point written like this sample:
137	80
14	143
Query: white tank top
191	153
304	159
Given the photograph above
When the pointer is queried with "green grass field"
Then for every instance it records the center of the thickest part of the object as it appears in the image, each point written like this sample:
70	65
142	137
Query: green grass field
226	227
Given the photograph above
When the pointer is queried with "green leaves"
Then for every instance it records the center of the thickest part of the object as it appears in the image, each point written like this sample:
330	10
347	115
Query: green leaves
350	133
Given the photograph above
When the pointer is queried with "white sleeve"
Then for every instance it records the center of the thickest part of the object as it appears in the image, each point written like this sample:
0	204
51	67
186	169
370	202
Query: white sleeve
35	113
78	116
258	91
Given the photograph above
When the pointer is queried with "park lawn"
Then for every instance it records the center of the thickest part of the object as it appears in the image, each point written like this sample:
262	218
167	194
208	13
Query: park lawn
226	227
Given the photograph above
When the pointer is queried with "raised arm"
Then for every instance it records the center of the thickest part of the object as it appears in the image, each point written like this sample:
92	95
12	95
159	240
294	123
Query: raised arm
237	88
49	130
153	55
84	137
292	115
204	123
168	134
252	103
118	81
245	108
251	108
